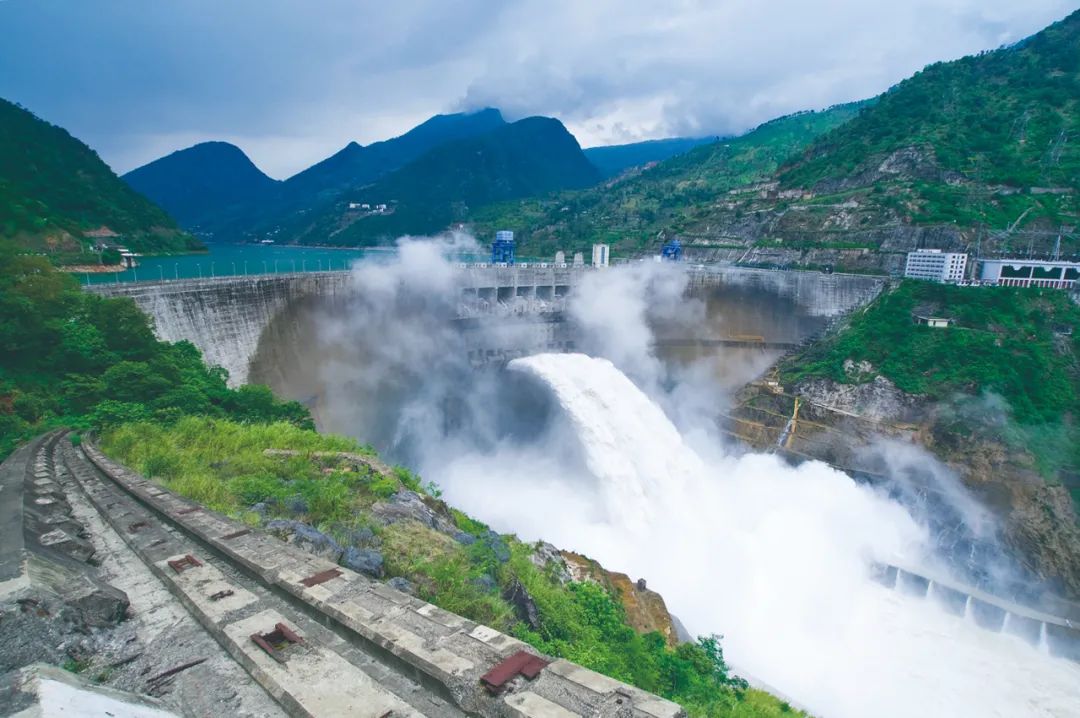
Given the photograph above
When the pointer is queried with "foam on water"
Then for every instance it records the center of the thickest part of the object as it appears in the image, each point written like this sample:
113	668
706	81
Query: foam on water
773	557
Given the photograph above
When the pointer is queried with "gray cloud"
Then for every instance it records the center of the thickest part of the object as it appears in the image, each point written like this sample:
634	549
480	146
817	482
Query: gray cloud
293	81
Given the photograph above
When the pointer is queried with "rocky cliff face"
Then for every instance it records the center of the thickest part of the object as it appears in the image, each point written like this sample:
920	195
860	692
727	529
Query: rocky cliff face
842	424
877	399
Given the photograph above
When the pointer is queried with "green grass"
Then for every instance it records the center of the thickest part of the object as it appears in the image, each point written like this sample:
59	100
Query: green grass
221	464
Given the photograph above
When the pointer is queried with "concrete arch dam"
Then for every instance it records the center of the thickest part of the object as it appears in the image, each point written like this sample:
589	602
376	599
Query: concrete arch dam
227	318
233	320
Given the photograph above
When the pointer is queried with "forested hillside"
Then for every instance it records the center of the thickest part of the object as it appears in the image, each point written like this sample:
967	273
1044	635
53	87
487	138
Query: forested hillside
631	212
214	189
985	139
53	189
203	186
357	165
978	151
523	159
996	396
70	358
612	160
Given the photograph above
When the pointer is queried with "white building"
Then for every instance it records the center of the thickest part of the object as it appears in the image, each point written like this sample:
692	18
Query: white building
935	322
1029	273
579	259
600	255
936	266
560	257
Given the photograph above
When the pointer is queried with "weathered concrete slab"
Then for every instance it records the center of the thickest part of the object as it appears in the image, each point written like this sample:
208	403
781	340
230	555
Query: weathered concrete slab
41	691
50	593
529	705
318	681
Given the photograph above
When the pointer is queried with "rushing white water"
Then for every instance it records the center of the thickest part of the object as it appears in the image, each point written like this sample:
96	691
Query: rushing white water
774	558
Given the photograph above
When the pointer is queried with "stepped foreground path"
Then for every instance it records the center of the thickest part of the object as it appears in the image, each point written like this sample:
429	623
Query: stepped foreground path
291	633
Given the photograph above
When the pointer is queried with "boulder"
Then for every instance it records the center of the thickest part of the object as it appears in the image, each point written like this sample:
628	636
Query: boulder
523	603
296	505
306	537
408	505
466	539
550	561
363	560
498	546
363	536
98	605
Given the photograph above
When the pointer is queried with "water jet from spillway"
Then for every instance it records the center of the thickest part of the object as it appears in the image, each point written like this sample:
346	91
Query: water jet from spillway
775	558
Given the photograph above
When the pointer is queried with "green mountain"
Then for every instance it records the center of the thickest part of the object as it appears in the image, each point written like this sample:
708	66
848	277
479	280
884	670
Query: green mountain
632	211
203	185
988	139
356	165
526	158
54	189
215	189
612	160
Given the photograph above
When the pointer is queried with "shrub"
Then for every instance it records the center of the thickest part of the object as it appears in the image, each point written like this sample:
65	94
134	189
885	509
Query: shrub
384	486
110	413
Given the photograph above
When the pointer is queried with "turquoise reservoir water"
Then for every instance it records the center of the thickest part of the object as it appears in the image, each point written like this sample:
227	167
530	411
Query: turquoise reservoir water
226	260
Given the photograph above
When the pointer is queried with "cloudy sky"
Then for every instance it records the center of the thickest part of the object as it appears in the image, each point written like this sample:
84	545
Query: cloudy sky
291	81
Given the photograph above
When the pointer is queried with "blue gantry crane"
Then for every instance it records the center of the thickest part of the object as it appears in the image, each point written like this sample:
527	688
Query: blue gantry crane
672	251
502	249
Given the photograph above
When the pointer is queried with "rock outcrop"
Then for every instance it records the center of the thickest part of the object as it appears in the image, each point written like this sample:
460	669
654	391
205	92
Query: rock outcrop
307	538
408	505
877	399
645	608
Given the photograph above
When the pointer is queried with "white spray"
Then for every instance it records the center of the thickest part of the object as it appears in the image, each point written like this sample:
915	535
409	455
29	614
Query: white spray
773	557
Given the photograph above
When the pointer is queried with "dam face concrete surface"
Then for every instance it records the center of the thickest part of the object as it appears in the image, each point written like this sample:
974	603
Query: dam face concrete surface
226	317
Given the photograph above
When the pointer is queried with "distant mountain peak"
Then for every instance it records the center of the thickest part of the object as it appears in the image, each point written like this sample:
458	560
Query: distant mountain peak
526	158
199	183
